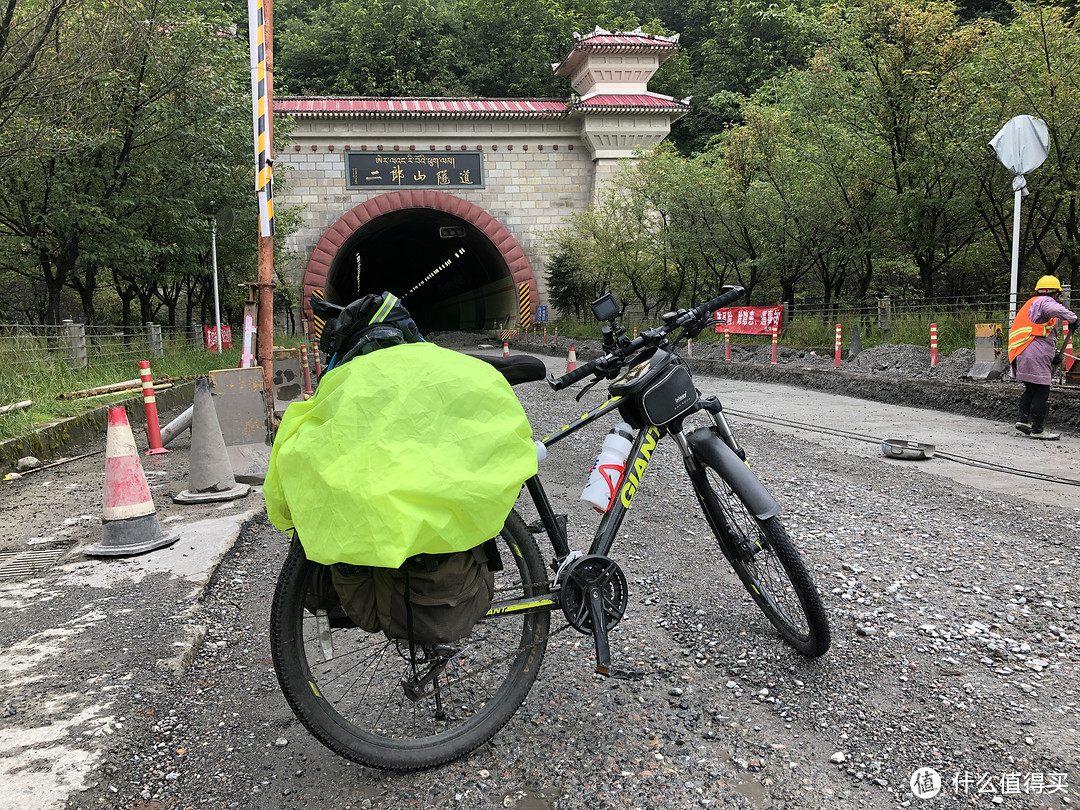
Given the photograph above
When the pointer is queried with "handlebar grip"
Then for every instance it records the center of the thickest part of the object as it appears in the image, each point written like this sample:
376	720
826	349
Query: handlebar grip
723	300
579	373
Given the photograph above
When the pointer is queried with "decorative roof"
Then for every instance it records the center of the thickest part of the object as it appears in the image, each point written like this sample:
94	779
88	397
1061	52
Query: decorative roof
328	107
342	107
647	103
618	42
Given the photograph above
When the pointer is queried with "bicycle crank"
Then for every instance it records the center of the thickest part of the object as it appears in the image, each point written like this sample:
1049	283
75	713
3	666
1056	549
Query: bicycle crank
594	598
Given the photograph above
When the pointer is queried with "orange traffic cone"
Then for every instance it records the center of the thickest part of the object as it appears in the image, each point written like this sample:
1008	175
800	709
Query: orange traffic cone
128	517
211	477
571	361
506	349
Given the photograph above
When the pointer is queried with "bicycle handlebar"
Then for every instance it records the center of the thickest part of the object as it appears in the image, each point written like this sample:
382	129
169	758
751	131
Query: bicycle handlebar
616	357
579	373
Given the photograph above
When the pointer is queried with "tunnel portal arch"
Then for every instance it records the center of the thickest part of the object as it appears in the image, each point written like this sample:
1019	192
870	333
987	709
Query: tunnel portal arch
453	263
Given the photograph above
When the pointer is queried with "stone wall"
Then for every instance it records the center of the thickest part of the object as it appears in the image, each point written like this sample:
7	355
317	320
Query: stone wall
536	174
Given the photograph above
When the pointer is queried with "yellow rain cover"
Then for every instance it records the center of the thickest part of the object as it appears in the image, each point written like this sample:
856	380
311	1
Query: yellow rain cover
411	449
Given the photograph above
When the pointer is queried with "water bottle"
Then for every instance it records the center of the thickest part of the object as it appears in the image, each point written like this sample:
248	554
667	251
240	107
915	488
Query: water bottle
608	468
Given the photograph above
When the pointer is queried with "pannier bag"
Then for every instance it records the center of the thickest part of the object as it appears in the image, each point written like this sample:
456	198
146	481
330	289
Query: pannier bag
431	599
408	458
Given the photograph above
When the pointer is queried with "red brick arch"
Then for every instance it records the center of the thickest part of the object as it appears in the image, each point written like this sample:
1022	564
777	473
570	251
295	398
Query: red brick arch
322	257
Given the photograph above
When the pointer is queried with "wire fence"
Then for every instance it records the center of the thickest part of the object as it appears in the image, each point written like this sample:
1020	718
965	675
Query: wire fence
25	348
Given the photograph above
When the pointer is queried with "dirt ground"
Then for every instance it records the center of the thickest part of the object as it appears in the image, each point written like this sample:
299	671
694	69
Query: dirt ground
146	682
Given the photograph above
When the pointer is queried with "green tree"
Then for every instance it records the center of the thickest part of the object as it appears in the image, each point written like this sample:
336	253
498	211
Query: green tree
886	73
1032	67
366	48
161	124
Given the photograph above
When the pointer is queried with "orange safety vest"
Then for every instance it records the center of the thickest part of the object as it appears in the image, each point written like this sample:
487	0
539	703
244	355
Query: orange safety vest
1023	330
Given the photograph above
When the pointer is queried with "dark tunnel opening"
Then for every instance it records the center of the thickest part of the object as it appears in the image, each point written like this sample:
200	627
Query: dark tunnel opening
446	270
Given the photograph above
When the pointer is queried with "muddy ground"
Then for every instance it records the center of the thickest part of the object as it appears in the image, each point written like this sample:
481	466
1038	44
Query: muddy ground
894	373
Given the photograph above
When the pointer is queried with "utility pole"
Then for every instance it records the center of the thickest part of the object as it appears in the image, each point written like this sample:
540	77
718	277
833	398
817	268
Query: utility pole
261	24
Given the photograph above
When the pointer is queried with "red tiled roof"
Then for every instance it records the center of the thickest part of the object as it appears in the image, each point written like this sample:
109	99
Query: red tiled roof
628	42
622	40
622	100
638	103
420	107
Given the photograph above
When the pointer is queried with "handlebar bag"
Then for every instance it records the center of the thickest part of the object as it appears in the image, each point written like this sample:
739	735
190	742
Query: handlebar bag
411	449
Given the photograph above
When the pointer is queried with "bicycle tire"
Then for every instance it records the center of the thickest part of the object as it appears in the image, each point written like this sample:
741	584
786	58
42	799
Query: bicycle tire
774	574
354	703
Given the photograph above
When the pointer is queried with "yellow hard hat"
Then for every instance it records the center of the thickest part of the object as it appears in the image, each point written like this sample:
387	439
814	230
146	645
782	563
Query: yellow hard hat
1048	283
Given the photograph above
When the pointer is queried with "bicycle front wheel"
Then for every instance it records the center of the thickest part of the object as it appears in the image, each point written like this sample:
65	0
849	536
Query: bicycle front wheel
769	566
381	703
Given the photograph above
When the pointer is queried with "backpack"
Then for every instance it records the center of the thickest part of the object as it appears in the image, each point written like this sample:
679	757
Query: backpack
369	323
430	598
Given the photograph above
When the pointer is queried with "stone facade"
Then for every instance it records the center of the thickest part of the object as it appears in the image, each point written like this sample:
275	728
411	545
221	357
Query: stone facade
542	160
536	174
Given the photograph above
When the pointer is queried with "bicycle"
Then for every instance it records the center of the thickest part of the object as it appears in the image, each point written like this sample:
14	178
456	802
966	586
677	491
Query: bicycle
393	705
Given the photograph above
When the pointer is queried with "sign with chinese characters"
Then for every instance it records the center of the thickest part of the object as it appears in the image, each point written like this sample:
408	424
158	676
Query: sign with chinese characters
210	333
414	169
541	313
748	320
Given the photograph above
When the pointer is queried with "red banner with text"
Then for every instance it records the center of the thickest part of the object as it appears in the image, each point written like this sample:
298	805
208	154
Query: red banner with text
748	320
211	337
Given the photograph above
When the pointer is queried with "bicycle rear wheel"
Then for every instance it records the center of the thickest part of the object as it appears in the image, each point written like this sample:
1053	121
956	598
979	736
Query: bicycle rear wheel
769	566
365	698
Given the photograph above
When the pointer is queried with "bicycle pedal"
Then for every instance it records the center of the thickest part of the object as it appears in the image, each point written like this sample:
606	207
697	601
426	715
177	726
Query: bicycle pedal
621	673
536	527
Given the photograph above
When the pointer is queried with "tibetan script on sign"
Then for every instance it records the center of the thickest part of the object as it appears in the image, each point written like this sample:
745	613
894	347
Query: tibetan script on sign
414	169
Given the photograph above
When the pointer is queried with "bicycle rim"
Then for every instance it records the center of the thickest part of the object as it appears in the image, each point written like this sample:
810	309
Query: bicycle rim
368	700
771	569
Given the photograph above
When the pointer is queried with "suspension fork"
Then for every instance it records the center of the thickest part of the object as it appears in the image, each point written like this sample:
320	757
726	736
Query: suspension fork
714	513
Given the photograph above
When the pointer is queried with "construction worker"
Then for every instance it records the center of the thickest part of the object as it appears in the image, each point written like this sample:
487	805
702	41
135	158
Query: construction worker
1033	353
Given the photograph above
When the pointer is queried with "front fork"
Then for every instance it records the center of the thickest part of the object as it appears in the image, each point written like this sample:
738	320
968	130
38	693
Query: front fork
731	542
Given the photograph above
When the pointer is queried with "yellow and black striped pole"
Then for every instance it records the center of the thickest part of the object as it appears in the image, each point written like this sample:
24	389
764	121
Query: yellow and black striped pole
260	116
318	322
524	305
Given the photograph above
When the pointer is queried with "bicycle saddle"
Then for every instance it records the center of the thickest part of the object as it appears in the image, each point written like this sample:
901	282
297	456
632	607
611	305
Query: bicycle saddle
517	369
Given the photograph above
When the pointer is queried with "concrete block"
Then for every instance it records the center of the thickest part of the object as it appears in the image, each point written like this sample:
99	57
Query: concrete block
240	403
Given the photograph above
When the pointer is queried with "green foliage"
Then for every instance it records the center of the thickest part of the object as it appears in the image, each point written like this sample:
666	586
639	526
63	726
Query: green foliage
123	163
865	172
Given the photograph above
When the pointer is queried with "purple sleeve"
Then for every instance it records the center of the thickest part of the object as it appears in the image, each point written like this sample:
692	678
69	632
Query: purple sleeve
1046	308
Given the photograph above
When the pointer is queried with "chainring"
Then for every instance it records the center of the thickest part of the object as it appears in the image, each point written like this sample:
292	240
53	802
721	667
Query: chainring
585	573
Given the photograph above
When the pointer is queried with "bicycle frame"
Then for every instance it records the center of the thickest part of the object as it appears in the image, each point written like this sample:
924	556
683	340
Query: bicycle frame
641	451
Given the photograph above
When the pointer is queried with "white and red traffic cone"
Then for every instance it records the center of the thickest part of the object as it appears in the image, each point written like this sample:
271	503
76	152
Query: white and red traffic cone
571	361
129	523
506	349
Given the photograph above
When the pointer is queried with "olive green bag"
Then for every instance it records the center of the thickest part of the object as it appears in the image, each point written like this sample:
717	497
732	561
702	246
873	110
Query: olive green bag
431	599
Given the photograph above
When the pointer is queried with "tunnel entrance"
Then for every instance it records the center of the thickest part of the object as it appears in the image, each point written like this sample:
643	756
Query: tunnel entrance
453	264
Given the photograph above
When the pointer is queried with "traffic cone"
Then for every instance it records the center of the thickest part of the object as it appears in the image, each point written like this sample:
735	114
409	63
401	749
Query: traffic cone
129	523
571	361
210	477
506	349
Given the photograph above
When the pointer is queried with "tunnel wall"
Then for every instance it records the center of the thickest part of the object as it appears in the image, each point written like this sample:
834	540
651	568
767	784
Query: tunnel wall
326	249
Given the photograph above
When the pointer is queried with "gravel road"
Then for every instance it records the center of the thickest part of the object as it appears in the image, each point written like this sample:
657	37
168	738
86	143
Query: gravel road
955	648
